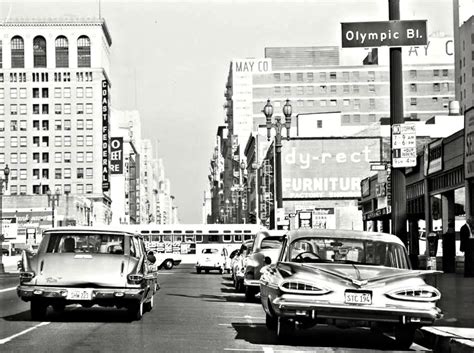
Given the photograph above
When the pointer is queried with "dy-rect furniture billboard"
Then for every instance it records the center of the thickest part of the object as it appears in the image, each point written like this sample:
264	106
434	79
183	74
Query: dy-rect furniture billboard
327	167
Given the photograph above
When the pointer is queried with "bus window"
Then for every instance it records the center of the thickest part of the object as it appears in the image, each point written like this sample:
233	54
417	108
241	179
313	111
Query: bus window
178	238
227	238
238	238
166	237
189	238
198	238
213	238
247	237
155	237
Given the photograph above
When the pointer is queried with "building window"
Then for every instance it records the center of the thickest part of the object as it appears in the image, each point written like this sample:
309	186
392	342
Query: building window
39	52
14	158
89	124
89	140
80	173
300	90
67	173
323	103
436	87
83	51
89	189
89	173
67	188
14	141
287	77
445	72
287	90
356	103
310	77
2	141
89	108
276	77
371	75
67	141
57	141
2	93
57	173
67	157
333	89
58	125
36	93
45	109
80	141
436	73
14	174
413	87
18	52
356	118
58	157
13	109
412	73
14	125
79	108
322	76
67	92
62	52
80	124
23	158
333	102
345	76
89	157
67	108
80	188
372	103
88	92
13	93
372	118
323	89
67	125
346	102
319	124
310	90
332	75
80	92
23	109
23	125
2	125
355	88
277	90
413	101
23	174
299	77
36	125
44	93
80	157
45	157
355	75
310	103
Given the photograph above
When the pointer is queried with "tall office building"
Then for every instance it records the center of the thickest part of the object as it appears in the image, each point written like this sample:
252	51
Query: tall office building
54	102
466	64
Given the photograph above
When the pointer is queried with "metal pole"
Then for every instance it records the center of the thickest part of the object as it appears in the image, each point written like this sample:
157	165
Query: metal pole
2	268
399	204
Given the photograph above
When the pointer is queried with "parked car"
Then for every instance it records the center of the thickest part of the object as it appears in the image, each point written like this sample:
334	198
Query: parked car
88	266
238	265
266	245
347	278
211	259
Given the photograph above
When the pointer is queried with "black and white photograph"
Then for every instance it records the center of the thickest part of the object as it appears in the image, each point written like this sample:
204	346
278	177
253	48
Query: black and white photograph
237	176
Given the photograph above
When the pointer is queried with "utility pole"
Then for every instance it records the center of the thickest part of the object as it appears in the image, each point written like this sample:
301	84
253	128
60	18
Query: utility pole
399	201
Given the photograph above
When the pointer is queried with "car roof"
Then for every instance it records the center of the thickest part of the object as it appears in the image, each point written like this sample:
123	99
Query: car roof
85	229
343	233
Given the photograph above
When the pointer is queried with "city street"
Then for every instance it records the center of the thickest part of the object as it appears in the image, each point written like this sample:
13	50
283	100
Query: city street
192	313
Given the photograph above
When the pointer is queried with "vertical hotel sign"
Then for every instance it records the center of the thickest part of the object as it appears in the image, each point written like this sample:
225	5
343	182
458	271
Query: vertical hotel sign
105	136
469	143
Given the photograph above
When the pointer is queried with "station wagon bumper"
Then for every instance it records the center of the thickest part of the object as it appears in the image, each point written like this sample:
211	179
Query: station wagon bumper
28	293
252	282
323	310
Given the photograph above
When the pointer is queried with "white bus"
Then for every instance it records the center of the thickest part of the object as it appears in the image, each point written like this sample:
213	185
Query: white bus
189	239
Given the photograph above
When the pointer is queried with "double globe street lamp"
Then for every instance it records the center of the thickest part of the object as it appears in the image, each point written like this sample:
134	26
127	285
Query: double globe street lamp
4	180
278	125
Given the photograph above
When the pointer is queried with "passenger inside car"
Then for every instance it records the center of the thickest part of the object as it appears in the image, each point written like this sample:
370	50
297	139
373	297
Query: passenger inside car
69	245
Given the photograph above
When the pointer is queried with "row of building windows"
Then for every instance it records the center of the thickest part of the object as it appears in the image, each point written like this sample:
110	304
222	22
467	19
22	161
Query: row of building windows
59	157
43	141
43	189
323	89
346	75
40	52
59	108
21	125
44	77
59	92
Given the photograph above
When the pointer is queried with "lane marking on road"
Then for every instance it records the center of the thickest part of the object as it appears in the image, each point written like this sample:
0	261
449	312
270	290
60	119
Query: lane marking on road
242	317
225	324
267	350
248	318
242	349
7	289
8	339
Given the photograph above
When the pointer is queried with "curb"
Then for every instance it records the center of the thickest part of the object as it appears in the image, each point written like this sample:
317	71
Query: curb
444	342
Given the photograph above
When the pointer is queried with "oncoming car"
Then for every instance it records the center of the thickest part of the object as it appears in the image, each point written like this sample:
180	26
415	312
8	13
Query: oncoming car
212	258
347	278
88	266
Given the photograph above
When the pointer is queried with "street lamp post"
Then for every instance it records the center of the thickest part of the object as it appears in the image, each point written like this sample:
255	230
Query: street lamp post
241	192
278	126
6	172
53	200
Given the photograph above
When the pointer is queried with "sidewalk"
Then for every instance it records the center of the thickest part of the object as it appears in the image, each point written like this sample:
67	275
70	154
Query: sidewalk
455	332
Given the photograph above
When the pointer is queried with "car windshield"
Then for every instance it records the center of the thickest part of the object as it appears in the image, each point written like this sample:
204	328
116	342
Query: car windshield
210	251
271	243
347	250
86	243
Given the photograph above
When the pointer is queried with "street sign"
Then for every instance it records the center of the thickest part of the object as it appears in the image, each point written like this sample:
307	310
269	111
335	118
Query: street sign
393	33
378	167
403	145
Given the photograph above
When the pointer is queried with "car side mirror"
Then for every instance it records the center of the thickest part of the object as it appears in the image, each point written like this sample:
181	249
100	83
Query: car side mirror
267	260
151	257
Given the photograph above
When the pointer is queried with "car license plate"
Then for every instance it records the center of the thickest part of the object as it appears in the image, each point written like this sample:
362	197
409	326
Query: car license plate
357	297
79	294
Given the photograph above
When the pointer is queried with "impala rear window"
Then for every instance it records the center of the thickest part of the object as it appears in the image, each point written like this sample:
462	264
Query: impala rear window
86	243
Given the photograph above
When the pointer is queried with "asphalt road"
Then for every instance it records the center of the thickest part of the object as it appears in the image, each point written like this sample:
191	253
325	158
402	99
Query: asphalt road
192	313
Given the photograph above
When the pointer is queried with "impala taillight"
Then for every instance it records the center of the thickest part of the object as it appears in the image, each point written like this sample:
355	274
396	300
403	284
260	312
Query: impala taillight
420	294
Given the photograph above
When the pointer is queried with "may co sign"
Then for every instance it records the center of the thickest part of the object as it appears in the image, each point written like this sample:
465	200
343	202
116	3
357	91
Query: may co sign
384	33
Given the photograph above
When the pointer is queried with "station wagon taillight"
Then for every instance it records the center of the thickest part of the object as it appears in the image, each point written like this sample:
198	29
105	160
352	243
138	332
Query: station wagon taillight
135	278
297	287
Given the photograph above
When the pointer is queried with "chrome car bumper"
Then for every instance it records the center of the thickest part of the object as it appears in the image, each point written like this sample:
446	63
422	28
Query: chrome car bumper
27	293
323	310
252	282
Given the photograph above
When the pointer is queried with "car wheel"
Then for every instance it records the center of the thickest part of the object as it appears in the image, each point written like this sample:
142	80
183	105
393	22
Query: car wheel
38	310
59	307
250	293
136	310
285	328
404	336
271	322
221	271
148	306
198	270
168	264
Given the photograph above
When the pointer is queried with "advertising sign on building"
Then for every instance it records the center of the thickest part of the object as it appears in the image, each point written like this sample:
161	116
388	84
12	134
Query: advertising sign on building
403	145
433	157
324	218
116	155
327	167
105	136
384	33
469	143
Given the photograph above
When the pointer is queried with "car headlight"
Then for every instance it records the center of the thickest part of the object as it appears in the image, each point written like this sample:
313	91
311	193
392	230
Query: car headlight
297	287
420	294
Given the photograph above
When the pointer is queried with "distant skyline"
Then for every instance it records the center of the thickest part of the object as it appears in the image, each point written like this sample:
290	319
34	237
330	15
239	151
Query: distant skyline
170	61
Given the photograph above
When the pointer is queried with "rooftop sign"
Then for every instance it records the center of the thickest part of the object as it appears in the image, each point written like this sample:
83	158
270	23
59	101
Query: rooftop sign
384	33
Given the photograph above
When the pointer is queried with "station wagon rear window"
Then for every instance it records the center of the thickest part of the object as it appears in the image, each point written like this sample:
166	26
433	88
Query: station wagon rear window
86	243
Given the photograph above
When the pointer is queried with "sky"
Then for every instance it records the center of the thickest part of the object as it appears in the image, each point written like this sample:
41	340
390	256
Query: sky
170	61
